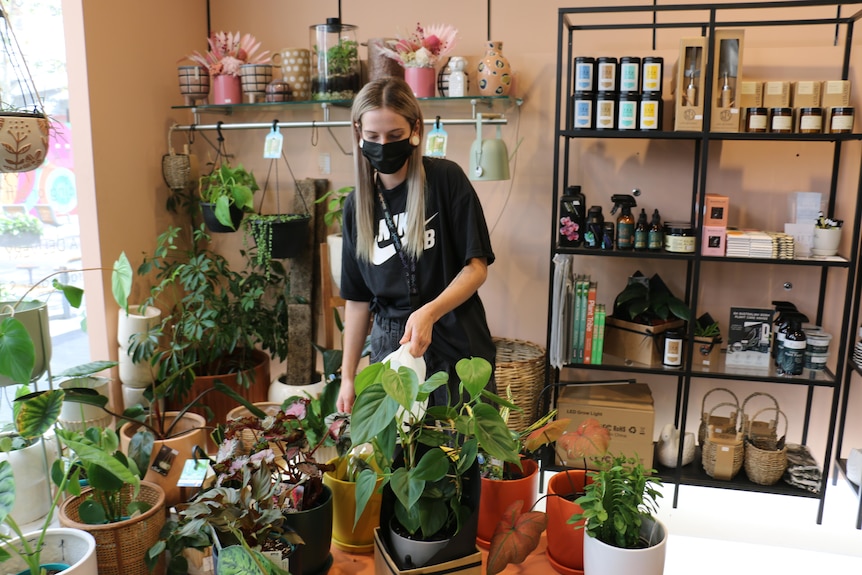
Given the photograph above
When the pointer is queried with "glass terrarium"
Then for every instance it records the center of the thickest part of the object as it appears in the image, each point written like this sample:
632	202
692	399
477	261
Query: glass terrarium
335	53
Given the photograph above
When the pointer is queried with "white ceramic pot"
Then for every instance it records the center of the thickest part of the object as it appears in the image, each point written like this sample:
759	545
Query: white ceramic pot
603	559
139	375
32	483
420	552
80	416
826	241
134	396
335	243
279	391
73	547
139	319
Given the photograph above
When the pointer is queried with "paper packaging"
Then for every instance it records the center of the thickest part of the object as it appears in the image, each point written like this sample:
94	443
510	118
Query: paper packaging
714	241
750	96
688	87
707	352
726	79
636	342
806	94
834	93
385	565
776	94
625	410
715	210
804	207
748	337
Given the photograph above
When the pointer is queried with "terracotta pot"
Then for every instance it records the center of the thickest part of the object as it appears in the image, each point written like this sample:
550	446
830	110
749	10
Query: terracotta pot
497	496
565	543
188	433
358	539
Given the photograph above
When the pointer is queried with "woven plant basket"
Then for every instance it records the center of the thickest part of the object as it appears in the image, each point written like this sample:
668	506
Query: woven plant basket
122	546
763	432
765	462
721	445
720	422
520	366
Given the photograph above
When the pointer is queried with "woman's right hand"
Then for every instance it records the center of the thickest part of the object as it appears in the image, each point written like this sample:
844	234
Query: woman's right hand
346	396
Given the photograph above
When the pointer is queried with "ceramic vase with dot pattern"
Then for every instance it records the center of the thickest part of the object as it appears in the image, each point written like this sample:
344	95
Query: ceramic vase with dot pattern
296	70
494	71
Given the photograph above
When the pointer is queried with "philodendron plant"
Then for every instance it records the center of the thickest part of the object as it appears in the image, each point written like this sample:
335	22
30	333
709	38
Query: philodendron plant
437	446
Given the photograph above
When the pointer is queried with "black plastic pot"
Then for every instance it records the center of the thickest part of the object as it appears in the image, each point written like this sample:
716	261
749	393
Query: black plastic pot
315	528
289	238
216	226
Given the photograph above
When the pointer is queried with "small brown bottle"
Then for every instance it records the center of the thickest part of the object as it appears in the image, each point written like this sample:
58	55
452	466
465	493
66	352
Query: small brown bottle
641	232
655	236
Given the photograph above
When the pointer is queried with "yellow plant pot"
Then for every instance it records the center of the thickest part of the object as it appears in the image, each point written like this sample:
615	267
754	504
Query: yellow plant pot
344	536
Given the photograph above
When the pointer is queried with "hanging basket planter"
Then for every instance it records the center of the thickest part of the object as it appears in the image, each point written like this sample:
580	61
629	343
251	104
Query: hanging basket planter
213	223
23	141
279	236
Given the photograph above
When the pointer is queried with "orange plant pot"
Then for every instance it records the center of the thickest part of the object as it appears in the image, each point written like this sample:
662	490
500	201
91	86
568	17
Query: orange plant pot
498	495
565	543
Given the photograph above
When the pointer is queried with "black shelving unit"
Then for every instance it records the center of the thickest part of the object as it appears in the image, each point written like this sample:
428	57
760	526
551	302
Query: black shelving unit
704	20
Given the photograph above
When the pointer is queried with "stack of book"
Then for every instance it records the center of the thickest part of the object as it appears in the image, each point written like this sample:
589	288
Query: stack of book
588	323
758	244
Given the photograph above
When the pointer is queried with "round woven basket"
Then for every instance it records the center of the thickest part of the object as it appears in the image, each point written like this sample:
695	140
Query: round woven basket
520	366
720	442
122	546
765	463
763	432
717	420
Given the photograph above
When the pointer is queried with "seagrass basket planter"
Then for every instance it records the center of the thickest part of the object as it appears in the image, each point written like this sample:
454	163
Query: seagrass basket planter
122	546
722	452
766	459
764	432
720	422
520	366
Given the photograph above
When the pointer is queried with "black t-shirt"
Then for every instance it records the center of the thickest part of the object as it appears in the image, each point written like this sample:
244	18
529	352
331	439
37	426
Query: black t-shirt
455	232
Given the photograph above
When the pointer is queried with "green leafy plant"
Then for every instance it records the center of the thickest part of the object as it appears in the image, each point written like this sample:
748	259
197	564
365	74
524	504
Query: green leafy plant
334	200
622	493
21	224
647	301
438	447
710	330
341	58
260	229
227	187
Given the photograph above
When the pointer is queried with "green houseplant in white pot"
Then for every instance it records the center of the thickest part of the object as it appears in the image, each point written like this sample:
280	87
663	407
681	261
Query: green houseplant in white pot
619	506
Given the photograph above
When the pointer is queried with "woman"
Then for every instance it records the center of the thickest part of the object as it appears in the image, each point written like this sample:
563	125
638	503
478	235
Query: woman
420	283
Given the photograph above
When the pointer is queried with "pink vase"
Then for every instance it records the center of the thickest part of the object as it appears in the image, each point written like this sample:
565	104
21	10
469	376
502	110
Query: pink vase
421	80
226	89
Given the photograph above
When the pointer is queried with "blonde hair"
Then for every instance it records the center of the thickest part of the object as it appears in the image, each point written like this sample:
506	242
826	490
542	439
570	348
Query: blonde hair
393	94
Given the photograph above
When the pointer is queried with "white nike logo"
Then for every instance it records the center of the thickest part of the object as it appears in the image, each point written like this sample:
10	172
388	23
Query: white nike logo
382	254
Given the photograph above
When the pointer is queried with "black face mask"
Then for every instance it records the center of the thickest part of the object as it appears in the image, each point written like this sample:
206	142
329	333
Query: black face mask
387	158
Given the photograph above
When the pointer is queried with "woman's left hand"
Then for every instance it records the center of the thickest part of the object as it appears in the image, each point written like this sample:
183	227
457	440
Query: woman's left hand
417	331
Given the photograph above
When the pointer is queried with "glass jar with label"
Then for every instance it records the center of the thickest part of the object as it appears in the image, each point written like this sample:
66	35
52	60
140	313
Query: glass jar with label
781	120
810	120
756	120
582	110
629	72
678	238
842	120
627	111
672	348
606	111
650	111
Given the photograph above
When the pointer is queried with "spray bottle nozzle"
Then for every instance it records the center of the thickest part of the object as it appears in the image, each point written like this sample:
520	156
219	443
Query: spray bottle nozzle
622	201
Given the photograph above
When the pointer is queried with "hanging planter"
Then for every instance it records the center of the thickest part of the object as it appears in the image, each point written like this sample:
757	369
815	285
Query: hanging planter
278	236
214	224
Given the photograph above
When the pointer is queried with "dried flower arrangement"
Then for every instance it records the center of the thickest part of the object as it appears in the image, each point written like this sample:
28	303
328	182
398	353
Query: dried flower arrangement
424	47
228	52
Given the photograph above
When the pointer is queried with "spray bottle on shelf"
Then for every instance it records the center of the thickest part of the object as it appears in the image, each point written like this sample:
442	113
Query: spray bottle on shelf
625	221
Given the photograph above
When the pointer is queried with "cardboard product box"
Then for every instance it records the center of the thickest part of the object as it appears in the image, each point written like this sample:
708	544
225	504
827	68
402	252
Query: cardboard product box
776	94
636	342
715	210
834	93
726	80
714	241
707	352
384	564
806	94
625	410
689	85
749	337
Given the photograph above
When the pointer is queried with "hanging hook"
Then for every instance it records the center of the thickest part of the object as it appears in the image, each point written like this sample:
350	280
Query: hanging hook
191	135
275	125
218	131
314	134
437	123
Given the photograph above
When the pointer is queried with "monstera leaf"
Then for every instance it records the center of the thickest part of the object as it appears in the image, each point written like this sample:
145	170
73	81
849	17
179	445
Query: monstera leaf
516	536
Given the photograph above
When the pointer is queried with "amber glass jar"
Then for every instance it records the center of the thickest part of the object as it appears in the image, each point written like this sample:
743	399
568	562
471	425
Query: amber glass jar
810	120
781	120
842	120
756	119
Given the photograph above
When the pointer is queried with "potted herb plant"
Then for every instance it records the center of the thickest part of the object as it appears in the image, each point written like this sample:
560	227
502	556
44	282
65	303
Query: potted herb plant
431	489
707	341
624	536
827	236
20	231
226	194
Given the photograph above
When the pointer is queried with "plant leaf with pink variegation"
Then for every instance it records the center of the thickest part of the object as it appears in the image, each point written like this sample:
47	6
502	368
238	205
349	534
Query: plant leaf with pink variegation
590	439
548	433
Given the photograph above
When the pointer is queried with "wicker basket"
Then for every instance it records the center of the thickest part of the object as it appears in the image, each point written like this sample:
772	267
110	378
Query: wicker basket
122	546
520	366
722	444
720	422
765	462
763	432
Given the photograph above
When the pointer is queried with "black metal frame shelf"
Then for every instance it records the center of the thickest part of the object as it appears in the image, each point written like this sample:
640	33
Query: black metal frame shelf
705	19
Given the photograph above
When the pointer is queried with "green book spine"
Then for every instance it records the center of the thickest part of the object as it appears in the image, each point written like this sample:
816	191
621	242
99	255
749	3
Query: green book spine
599	343
576	319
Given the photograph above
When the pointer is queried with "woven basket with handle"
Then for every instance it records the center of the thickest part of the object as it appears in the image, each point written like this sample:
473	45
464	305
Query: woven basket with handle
722	444
766	459
718	421
520	366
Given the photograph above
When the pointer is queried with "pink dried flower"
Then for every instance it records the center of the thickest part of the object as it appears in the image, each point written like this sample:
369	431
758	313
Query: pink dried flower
228	52
424	47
